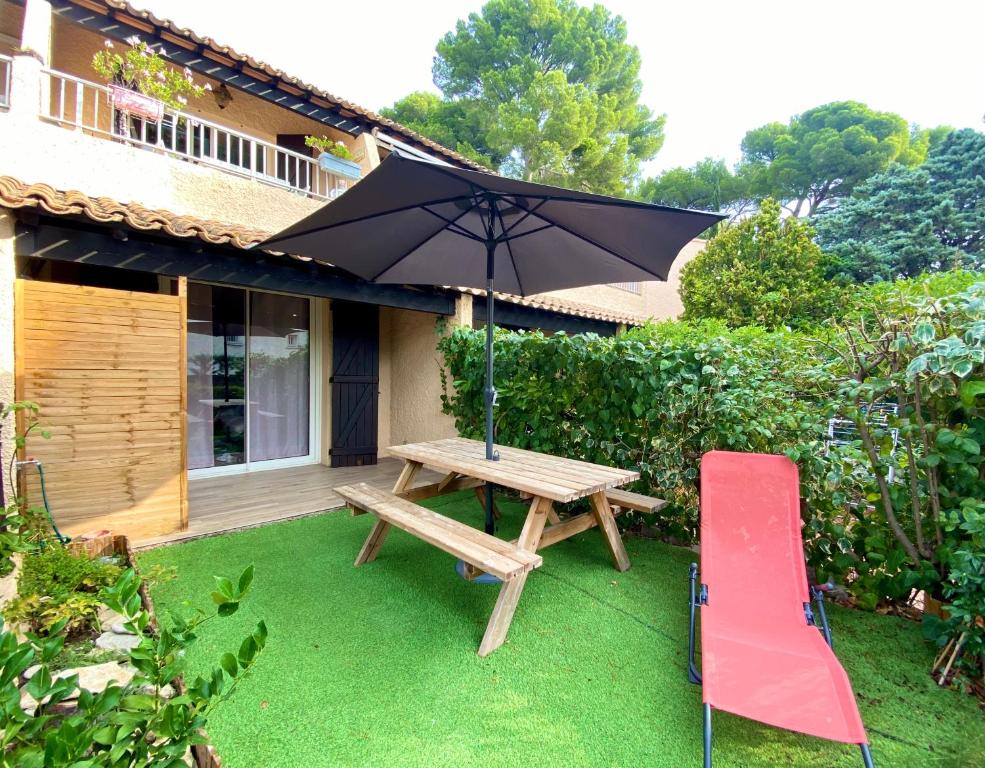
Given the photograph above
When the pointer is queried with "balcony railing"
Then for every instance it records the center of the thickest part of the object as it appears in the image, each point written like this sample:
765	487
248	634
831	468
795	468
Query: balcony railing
80	104
5	62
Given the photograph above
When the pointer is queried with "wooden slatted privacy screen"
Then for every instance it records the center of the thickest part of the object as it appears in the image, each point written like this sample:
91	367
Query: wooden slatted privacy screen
107	368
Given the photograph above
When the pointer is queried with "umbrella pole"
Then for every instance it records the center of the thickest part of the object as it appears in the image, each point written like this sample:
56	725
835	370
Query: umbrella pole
490	388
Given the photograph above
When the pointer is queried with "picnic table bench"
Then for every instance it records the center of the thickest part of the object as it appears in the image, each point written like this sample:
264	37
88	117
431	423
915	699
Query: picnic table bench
545	479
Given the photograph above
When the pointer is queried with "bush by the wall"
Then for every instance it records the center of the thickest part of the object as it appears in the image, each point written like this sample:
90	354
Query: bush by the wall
655	399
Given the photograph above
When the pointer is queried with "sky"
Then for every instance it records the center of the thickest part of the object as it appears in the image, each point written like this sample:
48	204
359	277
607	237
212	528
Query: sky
716	68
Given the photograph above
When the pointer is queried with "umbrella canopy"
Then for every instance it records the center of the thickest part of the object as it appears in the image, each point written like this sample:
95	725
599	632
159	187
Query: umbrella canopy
420	223
417	222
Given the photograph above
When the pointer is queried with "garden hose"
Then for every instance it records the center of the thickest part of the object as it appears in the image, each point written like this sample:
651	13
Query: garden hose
62	539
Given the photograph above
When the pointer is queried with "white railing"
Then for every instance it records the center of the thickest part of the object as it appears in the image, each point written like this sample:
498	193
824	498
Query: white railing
631	287
80	104
5	62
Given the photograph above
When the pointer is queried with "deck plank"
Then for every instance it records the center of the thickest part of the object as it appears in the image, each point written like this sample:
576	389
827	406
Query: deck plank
231	502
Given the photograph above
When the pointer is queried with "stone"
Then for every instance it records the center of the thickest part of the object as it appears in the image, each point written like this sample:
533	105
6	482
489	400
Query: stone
110	641
117	628
93	678
166	692
108	617
96	677
31	671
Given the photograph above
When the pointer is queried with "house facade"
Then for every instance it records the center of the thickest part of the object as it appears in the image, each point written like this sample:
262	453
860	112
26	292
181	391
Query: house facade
161	345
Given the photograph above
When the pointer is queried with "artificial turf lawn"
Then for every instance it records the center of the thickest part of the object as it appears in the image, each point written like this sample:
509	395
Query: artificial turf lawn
377	665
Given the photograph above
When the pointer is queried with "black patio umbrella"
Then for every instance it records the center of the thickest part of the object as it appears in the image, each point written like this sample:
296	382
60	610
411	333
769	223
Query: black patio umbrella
418	222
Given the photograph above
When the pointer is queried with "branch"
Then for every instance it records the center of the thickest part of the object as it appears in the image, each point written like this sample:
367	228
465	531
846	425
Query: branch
887	504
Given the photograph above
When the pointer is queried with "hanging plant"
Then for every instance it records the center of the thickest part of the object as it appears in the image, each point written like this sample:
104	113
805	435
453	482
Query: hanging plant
146	71
325	144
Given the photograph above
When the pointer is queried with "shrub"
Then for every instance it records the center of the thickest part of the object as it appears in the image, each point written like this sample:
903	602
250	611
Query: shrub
128	725
656	399
765	271
56	585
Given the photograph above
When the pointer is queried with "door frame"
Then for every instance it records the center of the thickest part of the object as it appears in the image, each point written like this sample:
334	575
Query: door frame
315	344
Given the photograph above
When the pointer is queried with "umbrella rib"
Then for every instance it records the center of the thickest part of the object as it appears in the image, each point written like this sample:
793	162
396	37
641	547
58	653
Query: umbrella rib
458	228
509	250
534	231
267	243
609	251
427	239
518	222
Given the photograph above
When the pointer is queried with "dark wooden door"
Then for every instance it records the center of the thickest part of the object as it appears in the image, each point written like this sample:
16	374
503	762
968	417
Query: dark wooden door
355	383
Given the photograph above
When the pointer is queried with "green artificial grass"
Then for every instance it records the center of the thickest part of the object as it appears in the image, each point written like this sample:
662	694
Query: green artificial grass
377	665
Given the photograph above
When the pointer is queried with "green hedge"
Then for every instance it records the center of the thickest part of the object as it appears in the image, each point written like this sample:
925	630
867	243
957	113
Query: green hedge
655	399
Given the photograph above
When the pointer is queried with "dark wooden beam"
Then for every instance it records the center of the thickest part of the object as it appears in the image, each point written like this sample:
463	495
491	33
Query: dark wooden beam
518	316
58	239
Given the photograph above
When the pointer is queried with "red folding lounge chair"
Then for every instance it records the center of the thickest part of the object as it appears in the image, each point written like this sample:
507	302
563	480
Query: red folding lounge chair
762	655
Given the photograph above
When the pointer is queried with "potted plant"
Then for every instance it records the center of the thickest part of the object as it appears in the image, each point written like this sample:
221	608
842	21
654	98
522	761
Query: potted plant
142	81
335	157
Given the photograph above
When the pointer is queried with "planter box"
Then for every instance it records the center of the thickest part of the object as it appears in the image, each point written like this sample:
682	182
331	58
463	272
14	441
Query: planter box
332	164
110	544
136	103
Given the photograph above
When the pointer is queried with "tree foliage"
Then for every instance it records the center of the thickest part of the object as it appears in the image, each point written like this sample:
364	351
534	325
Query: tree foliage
911	220
824	153
708	185
544	90
765	270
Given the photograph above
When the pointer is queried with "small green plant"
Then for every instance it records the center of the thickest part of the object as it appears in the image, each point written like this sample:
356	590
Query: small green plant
326	144
21	526
143	69
58	586
79	611
129	725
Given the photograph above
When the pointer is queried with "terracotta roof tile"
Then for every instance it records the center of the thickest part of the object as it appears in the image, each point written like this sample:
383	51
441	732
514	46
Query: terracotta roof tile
563	306
16	194
107	7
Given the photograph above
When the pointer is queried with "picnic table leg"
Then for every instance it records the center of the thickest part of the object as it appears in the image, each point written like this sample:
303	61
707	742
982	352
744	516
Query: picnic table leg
373	542
377	534
509	593
610	532
540	511
407	475
502	615
480	494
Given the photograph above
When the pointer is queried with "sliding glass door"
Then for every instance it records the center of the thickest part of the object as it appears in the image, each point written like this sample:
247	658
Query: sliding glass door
249	378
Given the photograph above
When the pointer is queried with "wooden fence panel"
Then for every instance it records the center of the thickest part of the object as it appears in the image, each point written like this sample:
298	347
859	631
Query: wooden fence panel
107	368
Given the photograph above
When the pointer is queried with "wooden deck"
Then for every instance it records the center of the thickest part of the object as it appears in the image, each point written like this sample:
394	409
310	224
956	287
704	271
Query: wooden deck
219	504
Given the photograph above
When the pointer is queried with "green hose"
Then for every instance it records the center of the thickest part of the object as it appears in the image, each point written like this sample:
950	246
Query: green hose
62	539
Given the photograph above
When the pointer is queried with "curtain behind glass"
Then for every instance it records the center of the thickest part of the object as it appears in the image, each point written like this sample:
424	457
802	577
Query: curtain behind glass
216	376
279	376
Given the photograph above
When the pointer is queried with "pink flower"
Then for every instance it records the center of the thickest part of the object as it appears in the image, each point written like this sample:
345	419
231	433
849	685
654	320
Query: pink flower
133	40
181	99
108	43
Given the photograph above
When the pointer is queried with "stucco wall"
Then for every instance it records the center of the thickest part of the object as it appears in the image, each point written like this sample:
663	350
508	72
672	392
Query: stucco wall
7	272
656	300
411	384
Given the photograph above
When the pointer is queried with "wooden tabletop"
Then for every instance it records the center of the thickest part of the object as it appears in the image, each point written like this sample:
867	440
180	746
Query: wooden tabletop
539	474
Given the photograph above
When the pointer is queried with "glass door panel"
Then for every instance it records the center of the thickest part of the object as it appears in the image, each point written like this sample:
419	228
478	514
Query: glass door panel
279	377
216	376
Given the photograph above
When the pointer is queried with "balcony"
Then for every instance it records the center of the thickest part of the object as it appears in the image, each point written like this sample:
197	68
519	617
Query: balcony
75	103
5	65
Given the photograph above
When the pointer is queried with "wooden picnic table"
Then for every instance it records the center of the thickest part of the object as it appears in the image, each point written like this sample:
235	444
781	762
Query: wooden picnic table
546	479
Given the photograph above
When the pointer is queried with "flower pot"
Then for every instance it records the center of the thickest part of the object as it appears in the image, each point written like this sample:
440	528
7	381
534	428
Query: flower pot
136	103
332	164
